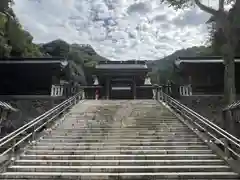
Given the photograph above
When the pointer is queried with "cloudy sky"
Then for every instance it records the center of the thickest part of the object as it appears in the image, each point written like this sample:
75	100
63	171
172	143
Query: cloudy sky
117	29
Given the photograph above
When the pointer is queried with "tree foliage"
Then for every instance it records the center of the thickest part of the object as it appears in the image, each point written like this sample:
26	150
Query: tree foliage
5	5
81	57
57	48
14	40
179	4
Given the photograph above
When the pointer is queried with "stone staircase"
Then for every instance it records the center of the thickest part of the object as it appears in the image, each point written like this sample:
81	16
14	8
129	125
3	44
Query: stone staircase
118	140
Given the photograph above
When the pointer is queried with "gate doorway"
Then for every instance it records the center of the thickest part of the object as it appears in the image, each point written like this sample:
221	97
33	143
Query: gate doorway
121	90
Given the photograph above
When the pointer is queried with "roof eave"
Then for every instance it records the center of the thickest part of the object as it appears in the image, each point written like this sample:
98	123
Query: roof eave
178	62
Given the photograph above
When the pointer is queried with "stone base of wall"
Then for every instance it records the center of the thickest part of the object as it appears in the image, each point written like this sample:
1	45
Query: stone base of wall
28	110
207	106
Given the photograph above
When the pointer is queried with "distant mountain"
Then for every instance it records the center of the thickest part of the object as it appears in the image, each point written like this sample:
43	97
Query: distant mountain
166	62
86	53
162	68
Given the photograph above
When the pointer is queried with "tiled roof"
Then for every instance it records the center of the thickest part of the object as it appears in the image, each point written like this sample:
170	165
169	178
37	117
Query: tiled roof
123	62
33	59
121	66
64	63
210	59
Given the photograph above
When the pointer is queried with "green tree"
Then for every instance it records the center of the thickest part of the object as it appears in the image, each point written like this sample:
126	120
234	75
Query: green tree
216	40
5	5
5	49
228	22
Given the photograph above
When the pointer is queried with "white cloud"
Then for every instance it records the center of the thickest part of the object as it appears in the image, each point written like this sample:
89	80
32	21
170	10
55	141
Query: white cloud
117	29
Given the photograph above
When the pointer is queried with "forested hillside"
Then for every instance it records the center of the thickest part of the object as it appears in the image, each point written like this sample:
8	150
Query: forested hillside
82	56
14	40
162	69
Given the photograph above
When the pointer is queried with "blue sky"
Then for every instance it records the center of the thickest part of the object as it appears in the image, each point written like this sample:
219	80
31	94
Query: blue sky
117	29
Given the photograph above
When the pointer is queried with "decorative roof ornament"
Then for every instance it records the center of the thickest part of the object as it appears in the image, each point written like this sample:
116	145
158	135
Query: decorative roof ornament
147	81
64	63
96	81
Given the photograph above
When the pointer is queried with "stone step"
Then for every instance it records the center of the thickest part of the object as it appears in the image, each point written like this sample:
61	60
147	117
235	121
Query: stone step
173	143
122	136
156	139
120	156
112	151
79	124
145	120
128	162
127	147
121	169
106	175
157	133
128	128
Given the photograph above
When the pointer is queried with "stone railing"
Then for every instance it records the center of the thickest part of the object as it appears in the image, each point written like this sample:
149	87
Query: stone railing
185	90
57	90
63	90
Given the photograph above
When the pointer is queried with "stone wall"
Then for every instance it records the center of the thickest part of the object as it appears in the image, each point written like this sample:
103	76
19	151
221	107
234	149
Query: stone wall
28	110
207	106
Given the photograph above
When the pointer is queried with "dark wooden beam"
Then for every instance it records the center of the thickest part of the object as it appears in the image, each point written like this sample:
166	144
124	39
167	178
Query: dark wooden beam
30	97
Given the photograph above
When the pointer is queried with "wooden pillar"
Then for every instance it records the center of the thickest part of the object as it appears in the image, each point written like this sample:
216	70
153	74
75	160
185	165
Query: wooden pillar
157	93
169	88
134	88
107	87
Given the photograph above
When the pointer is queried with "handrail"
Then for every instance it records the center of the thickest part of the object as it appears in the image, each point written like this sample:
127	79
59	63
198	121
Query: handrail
173	103
45	118
44	114
31	133
205	119
226	135
232	106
